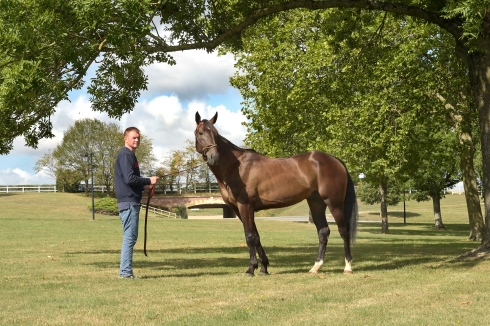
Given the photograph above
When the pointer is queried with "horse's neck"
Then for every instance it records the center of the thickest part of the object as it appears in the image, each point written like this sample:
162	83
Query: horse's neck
228	162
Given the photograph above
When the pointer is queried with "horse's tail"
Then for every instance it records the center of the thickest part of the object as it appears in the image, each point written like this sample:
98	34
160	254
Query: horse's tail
350	208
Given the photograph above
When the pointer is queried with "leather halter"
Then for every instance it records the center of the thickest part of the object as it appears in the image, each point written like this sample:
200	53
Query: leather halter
206	150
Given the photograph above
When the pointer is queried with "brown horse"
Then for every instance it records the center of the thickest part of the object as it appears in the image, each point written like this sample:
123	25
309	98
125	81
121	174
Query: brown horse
251	182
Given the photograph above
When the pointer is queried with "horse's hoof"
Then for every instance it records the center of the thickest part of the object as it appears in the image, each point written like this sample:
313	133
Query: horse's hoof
249	274
348	272
264	274
313	272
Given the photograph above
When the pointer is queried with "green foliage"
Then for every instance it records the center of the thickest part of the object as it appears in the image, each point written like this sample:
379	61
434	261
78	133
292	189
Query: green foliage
48	46
105	206
369	194
181	211
420	196
68	180
437	163
355	84
185	166
91	139
472	14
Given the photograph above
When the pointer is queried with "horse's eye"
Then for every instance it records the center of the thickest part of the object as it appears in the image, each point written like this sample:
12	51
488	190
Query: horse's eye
201	133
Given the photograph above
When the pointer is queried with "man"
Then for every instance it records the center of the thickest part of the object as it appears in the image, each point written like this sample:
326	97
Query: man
129	189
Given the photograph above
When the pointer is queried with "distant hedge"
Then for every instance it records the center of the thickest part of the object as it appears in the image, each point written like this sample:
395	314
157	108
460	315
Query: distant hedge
106	206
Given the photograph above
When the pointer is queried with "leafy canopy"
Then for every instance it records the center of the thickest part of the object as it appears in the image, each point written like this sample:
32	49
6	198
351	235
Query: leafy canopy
47	46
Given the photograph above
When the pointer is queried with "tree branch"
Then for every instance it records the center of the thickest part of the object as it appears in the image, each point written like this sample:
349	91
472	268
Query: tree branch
453	26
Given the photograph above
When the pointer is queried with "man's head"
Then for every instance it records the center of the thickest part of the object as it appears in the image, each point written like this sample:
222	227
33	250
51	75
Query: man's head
132	138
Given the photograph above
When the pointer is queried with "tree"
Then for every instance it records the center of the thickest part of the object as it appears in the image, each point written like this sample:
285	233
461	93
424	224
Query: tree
370	87
176	171
191	164
436	170
48	164
47	47
369	194
184	164
102	141
66	180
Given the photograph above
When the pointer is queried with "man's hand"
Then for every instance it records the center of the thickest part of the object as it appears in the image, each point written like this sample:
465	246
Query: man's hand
150	190
154	179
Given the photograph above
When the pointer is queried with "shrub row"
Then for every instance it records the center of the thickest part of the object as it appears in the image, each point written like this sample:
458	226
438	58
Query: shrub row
108	206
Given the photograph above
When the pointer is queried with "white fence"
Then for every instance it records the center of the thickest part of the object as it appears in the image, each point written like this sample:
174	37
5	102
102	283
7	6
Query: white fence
81	188
160	211
40	188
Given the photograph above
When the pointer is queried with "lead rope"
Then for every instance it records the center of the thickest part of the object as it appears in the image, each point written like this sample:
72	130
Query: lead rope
151	193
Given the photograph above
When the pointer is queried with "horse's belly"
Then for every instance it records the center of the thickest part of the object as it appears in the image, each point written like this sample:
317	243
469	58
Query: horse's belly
282	196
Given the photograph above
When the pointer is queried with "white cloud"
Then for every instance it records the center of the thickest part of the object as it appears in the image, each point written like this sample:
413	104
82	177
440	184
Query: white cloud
163	119
20	177
165	113
196	74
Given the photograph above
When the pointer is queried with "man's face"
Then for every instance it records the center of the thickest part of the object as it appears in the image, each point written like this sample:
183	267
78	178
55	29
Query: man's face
132	140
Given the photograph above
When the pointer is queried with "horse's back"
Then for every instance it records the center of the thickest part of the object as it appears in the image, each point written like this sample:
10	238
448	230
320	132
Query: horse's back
279	182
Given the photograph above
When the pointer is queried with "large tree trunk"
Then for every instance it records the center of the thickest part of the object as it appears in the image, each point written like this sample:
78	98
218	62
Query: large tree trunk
436	204
384	207
466	164
479	71
463	125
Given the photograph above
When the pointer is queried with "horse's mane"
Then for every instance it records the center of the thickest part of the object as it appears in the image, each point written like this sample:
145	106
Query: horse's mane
241	149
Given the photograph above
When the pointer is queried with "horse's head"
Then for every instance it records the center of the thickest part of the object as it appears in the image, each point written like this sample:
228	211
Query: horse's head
206	135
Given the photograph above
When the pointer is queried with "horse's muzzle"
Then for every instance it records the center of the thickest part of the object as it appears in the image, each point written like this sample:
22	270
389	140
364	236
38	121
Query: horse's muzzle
213	156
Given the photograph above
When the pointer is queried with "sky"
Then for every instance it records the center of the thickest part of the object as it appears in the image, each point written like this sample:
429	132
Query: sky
165	112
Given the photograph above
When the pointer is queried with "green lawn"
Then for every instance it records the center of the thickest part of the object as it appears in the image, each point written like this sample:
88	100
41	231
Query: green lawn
58	267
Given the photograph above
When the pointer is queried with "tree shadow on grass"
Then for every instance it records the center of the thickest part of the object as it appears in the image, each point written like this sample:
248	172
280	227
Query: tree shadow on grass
452	230
8	194
396	214
376	254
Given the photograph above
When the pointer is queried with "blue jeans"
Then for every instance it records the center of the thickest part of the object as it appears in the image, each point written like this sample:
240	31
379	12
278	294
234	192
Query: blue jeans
130	220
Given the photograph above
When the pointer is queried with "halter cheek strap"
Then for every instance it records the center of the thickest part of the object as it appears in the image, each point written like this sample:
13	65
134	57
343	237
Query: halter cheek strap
206	150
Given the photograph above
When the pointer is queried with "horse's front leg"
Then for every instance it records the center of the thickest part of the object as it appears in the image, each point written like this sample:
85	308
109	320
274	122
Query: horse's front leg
253	242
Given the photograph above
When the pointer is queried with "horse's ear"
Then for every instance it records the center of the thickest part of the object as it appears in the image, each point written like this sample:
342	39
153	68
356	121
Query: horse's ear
198	117
214	119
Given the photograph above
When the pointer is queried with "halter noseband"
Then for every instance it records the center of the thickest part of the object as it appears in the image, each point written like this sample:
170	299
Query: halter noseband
206	150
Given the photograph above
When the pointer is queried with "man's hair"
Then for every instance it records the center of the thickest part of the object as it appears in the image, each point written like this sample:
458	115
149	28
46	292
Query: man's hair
128	130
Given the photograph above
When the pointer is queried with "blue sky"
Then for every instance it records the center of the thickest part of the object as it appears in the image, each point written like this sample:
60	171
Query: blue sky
165	113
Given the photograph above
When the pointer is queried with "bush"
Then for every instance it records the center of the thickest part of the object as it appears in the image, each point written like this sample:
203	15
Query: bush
106	206
181	211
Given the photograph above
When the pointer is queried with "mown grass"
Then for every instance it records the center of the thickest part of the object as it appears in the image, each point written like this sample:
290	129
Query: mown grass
58	267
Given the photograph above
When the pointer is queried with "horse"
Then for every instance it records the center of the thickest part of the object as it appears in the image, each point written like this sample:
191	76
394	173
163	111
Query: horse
250	182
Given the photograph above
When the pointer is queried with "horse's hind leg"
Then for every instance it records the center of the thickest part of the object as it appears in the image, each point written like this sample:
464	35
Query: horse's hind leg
317	209
338	214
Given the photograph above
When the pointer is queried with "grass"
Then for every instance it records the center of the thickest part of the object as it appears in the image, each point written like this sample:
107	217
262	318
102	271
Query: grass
58	267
